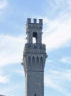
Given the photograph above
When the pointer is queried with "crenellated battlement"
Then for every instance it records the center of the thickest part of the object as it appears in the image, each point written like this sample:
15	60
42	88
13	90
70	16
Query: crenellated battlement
35	24
40	21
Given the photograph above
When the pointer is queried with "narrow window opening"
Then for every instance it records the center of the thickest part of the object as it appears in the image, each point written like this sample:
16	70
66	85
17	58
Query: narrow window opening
37	59
33	59
34	37
41	60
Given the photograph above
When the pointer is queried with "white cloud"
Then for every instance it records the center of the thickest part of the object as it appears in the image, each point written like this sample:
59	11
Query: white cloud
11	49
50	61
58	80
66	60
58	33
21	72
10	90
3	4
4	79
69	3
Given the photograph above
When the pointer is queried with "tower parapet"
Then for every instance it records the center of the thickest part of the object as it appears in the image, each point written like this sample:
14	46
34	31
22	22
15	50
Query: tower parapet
34	21
34	29
34	25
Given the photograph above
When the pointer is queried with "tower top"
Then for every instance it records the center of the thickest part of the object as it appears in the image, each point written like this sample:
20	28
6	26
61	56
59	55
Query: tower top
34	21
34	30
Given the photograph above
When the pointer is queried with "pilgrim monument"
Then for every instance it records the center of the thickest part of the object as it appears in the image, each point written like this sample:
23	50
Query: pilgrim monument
34	57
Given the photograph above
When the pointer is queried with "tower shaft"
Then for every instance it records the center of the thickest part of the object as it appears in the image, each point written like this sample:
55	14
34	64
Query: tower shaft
34	58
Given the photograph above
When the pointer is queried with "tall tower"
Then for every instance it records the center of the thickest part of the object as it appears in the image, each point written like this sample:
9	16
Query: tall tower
34	58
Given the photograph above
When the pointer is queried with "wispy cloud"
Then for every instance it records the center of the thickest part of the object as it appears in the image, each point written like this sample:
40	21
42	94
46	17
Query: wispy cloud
4	79
11	49
69	4
66	60
57	33
21	72
58	80
11	89
3	4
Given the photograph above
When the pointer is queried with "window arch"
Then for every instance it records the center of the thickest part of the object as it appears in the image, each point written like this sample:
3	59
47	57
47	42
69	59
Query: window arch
37	59
41	62
33	59
41	59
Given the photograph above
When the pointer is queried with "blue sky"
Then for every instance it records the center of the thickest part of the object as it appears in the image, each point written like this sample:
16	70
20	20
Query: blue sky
56	15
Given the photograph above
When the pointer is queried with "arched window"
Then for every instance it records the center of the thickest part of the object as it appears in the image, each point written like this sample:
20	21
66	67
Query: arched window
41	59
33	59
37	59
41	62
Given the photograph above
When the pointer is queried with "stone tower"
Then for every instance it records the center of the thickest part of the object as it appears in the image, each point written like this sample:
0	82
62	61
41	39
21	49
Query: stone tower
34	58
